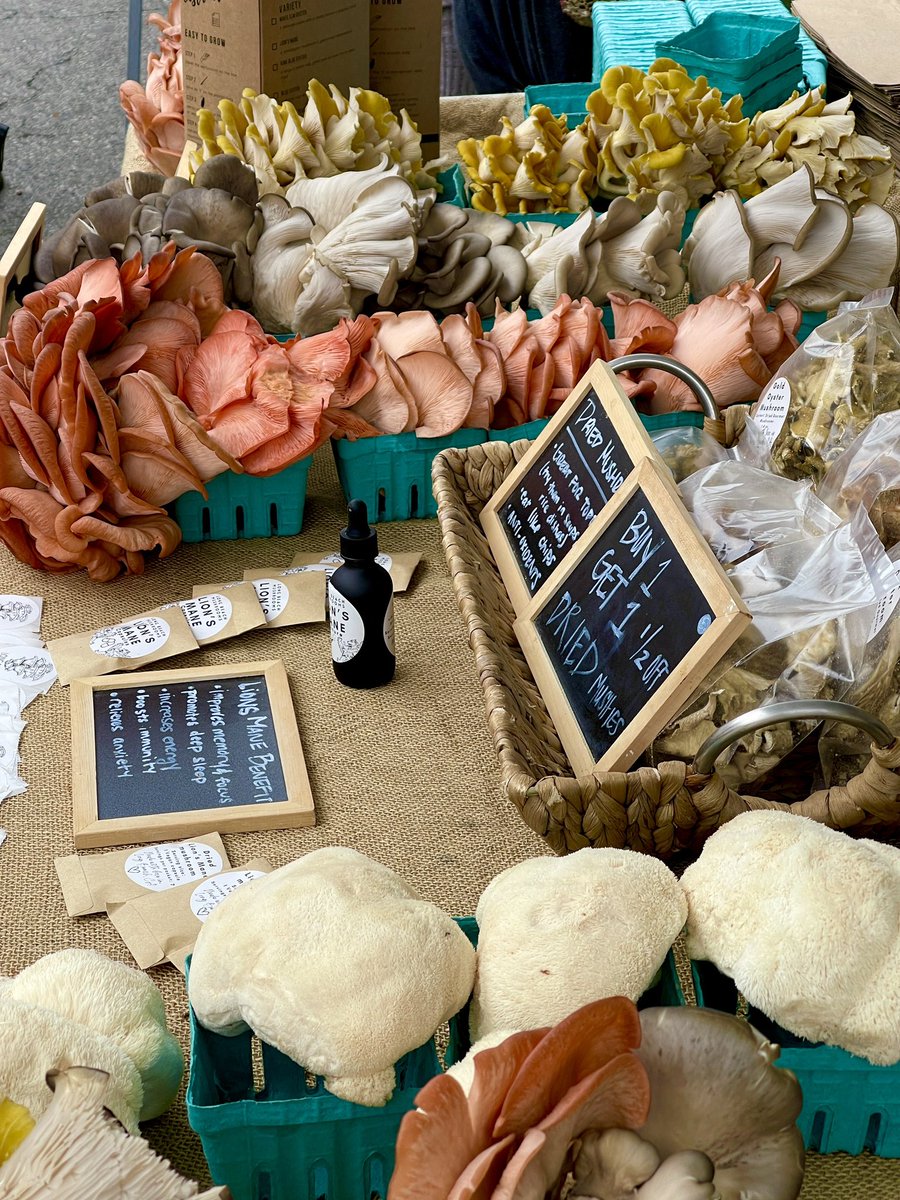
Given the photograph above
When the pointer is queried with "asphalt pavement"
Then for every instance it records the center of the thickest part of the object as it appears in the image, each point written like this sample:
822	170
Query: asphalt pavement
60	70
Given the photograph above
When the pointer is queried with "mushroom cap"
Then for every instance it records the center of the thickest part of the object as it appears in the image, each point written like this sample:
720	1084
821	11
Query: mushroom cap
720	248
714	1088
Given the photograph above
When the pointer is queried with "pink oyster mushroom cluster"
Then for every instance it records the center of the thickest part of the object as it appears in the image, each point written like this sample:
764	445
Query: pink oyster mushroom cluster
157	113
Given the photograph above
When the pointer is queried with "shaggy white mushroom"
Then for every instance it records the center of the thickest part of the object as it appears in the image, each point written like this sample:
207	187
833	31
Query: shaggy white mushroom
338	963
806	921
557	933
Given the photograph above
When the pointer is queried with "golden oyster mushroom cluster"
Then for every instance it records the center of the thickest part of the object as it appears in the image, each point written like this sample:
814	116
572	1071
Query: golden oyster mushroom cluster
334	133
662	130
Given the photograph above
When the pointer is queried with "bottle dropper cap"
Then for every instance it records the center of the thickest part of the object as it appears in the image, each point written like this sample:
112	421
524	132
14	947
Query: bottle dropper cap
358	541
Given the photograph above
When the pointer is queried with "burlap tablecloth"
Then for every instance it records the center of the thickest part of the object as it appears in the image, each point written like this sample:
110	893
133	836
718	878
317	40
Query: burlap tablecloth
406	774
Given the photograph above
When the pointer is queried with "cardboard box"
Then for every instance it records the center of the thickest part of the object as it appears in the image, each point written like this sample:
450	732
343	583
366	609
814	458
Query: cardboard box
272	46
405	61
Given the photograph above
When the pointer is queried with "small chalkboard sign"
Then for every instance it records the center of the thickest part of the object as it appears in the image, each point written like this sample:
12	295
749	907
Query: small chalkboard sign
16	262
629	623
163	753
575	466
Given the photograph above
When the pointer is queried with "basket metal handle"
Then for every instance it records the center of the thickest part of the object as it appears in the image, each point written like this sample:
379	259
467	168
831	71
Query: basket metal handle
658	362
788	710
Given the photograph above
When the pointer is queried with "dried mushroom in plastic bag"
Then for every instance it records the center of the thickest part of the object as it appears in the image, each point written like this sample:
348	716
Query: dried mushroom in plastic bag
845	374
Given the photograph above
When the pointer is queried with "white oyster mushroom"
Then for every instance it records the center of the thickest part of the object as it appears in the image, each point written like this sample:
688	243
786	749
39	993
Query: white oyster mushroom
558	933
783	213
338	963
645	258
330	199
282	254
805	920
379	229
720	249
324	298
868	262
822	246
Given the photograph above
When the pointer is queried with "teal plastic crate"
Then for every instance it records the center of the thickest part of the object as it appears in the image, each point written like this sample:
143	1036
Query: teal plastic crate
626	33
814	62
244	506
284	1137
848	1104
732	45
392	473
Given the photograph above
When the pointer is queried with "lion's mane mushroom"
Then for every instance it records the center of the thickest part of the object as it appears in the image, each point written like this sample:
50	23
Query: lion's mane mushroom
555	933
714	1088
813	978
77	1149
157	112
351	969
115	1001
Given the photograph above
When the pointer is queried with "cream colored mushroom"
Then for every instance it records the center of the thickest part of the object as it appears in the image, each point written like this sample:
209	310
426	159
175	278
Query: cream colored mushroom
720	248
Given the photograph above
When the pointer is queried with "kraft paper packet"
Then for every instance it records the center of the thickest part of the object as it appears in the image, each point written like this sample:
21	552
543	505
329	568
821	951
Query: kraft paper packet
215	616
296	600
91	882
401	566
164	927
146	638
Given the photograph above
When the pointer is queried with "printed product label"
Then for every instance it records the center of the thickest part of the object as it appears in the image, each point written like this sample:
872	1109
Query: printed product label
884	612
383	560
207	615
158	868
20	612
209	895
347	629
772	408
273	597
389	626
26	666
131	639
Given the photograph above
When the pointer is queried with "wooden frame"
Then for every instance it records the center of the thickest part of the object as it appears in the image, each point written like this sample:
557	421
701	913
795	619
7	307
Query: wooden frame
90	830
15	265
730	618
624	420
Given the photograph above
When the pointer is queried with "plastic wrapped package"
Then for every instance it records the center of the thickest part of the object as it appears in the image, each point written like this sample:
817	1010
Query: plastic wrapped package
846	373
811	601
688	449
740	509
868	476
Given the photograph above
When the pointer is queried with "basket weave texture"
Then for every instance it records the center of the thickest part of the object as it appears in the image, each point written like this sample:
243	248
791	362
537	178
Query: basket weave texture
667	810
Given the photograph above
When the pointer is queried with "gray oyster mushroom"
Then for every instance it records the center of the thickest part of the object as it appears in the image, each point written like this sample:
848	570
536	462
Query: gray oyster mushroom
465	256
141	212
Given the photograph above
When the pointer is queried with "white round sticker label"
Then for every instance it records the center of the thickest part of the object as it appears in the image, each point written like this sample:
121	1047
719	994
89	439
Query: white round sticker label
209	895
131	639
158	868
347	629
18	612
207	615
273	597
772	408
383	560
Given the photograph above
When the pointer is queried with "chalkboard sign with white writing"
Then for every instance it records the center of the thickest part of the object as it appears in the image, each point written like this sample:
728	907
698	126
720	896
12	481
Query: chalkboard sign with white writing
170	749
573	469
629	624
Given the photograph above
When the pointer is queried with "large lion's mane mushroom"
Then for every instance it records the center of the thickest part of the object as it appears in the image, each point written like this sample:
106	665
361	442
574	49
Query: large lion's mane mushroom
142	213
831	972
157	112
556	933
338	963
714	1088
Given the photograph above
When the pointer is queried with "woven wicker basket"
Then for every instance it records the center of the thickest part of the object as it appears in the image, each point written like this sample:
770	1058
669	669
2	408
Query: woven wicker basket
667	810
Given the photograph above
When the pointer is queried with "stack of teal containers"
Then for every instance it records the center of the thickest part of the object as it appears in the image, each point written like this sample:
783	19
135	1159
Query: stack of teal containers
757	57
812	58
626	33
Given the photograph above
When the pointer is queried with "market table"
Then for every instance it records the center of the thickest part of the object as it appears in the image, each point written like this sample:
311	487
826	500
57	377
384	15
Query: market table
406	774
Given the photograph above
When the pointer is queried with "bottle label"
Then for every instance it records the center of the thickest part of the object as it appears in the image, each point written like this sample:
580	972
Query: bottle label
389	627
347	629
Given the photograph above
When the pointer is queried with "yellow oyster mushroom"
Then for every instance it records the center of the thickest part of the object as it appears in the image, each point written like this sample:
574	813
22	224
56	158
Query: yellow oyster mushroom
599	107
16	1123
378	108
659	131
663	160
231	115
614	77
206	131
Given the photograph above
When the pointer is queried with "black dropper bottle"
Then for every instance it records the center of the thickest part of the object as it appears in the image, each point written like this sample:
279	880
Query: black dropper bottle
361	607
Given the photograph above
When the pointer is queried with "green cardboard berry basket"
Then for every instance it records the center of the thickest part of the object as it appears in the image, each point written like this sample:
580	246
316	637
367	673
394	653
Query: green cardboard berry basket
848	1103
244	506
271	1132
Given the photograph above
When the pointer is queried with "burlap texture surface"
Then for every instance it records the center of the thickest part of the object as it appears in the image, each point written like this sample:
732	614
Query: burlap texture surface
405	774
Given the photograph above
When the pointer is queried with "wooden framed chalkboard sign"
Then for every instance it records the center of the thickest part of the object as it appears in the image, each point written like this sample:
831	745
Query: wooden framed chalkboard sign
628	624
173	753
574	467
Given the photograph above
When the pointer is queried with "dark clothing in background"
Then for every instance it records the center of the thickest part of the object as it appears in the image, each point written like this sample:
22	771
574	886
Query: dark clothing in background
508	44
455	79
